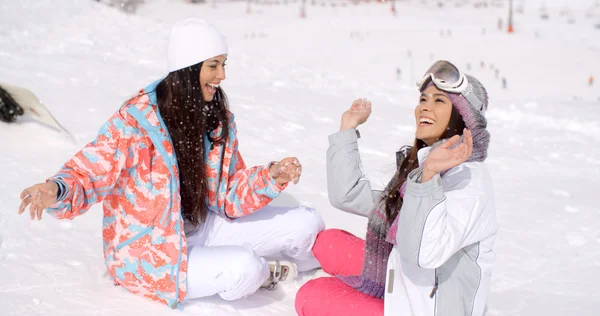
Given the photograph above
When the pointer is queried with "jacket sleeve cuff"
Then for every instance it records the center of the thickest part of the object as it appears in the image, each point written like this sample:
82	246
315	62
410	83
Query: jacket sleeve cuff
273	185
416	188
63	188
344	137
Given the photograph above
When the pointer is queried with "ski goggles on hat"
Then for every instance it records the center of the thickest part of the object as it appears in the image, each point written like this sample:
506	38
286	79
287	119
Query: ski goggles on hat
446	77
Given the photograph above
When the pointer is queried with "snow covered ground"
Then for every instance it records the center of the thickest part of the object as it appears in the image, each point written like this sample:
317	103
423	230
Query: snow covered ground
289	80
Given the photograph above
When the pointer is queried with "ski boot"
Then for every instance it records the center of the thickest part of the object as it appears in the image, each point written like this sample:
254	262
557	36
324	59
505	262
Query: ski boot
281	271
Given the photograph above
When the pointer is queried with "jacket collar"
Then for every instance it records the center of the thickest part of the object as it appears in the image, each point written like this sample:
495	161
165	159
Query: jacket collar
422	154
146	102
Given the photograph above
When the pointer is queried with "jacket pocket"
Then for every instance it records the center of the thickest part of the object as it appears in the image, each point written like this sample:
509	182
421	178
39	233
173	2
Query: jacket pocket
126	261
137	236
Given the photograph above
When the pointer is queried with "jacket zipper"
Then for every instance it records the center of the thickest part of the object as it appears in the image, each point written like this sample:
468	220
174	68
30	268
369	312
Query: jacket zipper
435	287
177	303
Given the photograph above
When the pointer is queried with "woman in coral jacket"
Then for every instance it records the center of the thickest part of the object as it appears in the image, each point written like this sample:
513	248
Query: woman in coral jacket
429	248
183	215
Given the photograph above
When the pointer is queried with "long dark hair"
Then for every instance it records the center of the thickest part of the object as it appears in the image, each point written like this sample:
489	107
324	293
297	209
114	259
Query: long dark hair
188	118
393	200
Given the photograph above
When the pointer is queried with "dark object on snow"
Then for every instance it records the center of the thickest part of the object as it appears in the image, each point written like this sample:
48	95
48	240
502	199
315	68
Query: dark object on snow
9	108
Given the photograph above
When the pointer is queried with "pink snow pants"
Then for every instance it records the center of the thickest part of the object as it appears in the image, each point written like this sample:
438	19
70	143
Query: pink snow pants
340	253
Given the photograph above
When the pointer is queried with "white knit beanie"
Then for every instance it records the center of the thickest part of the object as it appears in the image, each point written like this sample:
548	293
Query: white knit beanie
192	41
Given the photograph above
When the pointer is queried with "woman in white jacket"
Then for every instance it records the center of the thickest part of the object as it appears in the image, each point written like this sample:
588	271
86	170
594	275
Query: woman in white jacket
430	239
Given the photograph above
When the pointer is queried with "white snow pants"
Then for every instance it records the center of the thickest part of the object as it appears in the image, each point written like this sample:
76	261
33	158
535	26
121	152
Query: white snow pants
230	258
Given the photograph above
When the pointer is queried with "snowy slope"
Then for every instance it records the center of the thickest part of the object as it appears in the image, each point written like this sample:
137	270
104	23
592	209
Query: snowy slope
288	81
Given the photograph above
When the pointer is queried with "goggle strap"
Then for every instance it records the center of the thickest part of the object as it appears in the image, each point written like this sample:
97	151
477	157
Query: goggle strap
472	98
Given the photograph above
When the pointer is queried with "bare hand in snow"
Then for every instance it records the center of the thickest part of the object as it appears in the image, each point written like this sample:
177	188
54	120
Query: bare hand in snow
289	169
38	198
443	157
358	113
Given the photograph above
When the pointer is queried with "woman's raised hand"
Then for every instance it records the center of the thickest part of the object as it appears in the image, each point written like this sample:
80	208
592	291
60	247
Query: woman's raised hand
358	114
443	157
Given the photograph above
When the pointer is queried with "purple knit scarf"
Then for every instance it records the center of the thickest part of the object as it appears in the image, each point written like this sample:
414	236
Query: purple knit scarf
378	246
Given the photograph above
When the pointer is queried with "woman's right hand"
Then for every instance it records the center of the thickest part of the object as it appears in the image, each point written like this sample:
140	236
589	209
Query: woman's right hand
38	198
358	113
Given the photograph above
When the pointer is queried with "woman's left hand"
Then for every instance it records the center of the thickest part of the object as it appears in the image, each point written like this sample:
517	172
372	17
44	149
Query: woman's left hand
289	169
443	157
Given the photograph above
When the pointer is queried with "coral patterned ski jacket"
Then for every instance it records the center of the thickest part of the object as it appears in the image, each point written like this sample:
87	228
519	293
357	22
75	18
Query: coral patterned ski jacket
131	168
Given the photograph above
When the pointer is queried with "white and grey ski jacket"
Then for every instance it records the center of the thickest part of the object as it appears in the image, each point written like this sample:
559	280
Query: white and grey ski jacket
444	256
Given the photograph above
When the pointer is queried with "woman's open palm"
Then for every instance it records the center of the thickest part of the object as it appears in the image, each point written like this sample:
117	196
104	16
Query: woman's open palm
38	198
444	157
358	114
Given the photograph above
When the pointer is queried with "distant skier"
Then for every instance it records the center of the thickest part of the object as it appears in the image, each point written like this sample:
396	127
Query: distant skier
129	6
9	108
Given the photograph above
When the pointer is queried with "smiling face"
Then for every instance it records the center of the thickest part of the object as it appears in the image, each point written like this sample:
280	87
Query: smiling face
211	75
432	115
